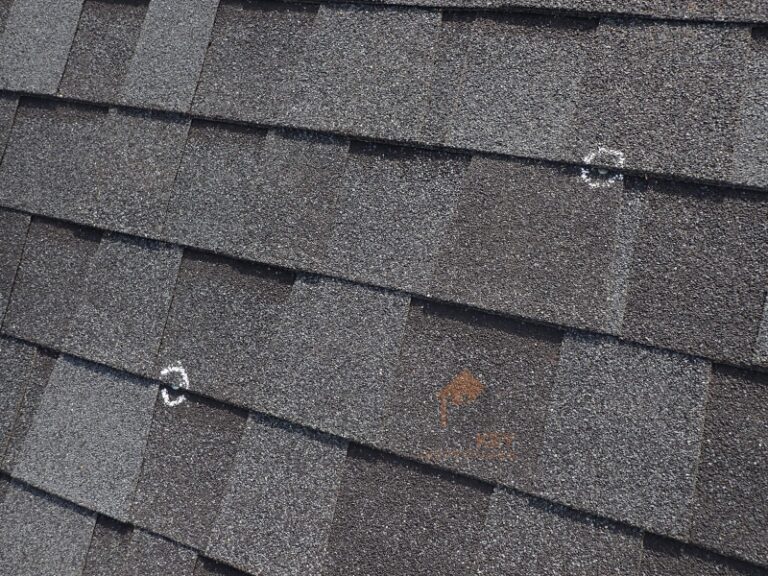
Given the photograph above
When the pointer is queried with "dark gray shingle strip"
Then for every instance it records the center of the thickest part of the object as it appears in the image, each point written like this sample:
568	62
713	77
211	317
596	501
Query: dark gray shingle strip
207	567
698	275
24	371
150	555
13	234
108	550
36	42
122	311
281	499
169	55
50	281
88	435
624	432
398	517
731	511
663	557
524	536
394	206
495	435
106	37
8	105
40	534
187	463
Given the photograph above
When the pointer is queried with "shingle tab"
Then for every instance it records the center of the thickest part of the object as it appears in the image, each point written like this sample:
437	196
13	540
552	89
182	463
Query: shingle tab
88	435
525	536
149	555
24	372
222	315
169	55
36	43
698	277
666	96
668	558
127	294
267	197
50	279
623	433
40	172
13	234
41	535
8	105
516	92
750	156
254	45
353	78
533	240
393	208
331	357
471	392
187	462
105	39
731	511
107	553
397	517
281	499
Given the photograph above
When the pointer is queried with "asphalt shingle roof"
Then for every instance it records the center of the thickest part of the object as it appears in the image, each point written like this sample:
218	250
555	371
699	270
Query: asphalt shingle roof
383	287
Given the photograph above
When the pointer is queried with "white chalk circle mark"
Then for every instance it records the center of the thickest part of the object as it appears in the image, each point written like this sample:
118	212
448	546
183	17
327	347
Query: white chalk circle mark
605	177
184	385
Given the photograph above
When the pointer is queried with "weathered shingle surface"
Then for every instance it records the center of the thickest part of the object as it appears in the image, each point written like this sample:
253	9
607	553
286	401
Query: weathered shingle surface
383	287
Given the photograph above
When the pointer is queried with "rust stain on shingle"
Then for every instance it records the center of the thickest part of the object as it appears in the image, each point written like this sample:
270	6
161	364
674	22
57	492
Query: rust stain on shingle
462	389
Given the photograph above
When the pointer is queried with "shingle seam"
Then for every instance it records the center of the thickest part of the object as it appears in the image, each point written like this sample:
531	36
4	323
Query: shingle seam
414	144
15	272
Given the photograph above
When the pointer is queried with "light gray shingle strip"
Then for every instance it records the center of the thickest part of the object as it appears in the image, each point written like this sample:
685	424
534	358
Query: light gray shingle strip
122	311
731	511
187	464
525	536
365	70
698	273
624	430
666	96
49	281
36	42
331	356
471	393
281	499
41	535
532	240
750	156
169	55
393	209
88	436
103	46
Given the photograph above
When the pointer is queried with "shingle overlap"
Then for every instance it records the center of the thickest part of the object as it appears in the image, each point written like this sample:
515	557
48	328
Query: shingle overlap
13	234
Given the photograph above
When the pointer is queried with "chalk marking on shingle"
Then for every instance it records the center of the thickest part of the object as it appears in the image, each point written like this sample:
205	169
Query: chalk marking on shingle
627	227
184	385
761	345
605	177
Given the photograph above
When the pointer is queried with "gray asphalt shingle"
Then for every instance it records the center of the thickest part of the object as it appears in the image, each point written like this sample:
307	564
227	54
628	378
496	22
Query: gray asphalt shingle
166	64
36	42
49	282
668	558
533	240
149	555
525	536
41	535
254	46
666	96
282	493
731	511
24	372
354	77
471	392
13	234
394	206
190	452
219	324
516	83
105	40
263	196
623	433
331	356
206	567
122	311
8	105
698	276
88	435
398	517
107	553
